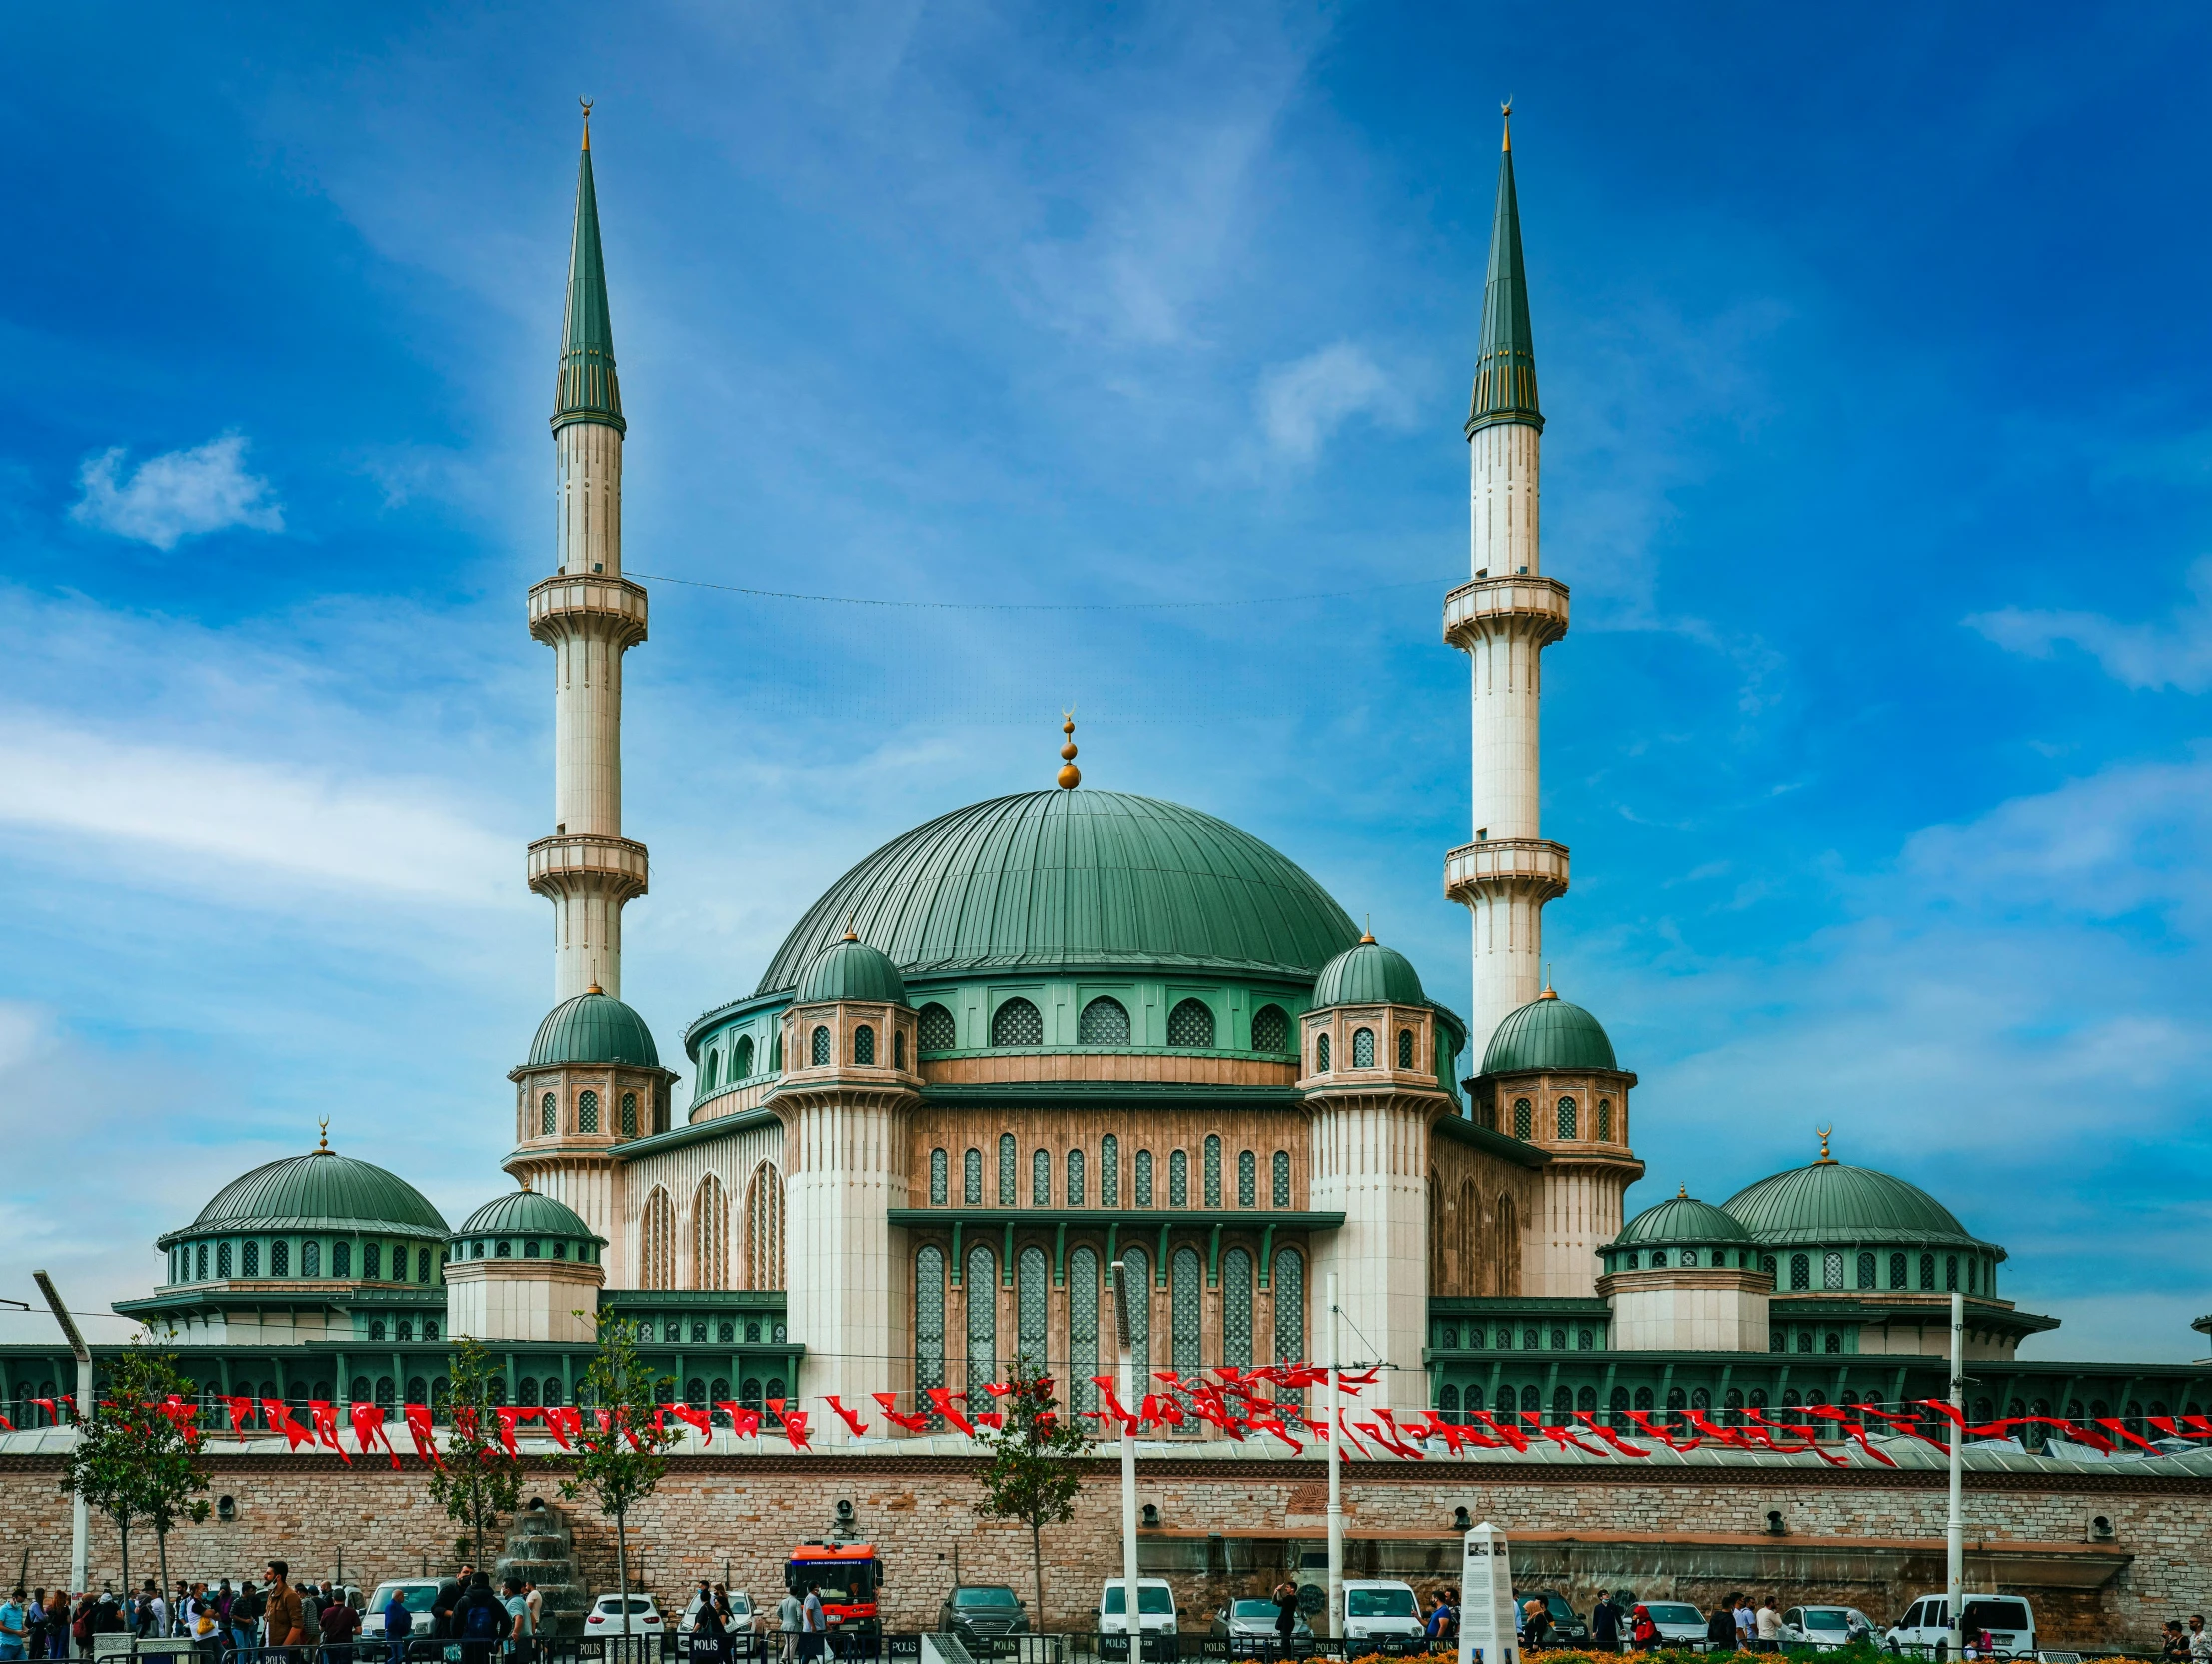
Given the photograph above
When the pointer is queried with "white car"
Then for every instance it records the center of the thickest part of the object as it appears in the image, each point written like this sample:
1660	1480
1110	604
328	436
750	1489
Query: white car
1381	1609
1823	1627
741	1614
1679	1624
606	1617
2008	1621
1156	1606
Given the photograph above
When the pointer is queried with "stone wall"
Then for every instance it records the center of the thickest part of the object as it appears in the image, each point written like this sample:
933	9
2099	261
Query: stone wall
1869	1538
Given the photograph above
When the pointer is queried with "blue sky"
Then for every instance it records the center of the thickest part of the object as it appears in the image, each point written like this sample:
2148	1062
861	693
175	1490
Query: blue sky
1873	347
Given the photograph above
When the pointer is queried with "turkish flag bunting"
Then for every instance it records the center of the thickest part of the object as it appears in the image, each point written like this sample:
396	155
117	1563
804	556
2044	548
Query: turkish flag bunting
692	1418
860	1428
914	1423
744	1423
795	1428
241	1411
1611	1436
507	1415
324	1415
563	1422
941	1400
368	1431
1113	1405
419	1428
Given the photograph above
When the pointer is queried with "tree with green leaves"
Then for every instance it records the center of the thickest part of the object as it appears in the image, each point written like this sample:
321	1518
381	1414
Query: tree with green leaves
1035	1470
624	1440
137	1458
478	1481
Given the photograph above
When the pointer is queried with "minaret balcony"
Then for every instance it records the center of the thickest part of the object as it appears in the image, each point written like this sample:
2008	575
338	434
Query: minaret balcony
1534	864
559	863
568	604
1516	601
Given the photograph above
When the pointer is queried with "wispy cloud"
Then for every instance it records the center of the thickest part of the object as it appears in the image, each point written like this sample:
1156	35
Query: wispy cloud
1303	404
177	495
2176	654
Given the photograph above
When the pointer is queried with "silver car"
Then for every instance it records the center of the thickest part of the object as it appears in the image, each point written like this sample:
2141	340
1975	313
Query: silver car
1825	1627
1254	1620
1679	1624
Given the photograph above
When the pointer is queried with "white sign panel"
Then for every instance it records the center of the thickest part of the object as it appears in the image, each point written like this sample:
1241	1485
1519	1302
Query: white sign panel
1489	1624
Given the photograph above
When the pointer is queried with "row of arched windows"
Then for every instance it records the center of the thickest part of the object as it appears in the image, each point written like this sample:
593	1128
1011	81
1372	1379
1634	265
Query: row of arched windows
757	1246
1362	1049
864	1047
711	1076
282	1258
1104	1021
1567	1120
1076	1188
585	1116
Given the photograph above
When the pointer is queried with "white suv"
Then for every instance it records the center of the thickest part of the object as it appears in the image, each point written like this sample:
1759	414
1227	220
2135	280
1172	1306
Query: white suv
2008	1621
1156	1606
1381	1609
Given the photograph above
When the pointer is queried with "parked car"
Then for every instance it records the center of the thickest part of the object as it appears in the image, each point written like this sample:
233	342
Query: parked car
2008	1621
741	1614
1254	1620
417	1594
1679	1624
1823	1627
1381	1609
605	1616
1155	1607
984	1614
1568	1627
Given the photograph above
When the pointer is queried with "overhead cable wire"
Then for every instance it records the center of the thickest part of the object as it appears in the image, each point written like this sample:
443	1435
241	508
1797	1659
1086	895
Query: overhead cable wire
1043	606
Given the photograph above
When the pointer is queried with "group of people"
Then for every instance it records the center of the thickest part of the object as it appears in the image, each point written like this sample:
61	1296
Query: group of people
2186	1646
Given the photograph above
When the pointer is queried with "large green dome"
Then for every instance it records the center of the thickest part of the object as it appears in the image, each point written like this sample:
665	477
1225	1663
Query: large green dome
1368	975
1830	1204
593	1029
1549	1033
1044	880
321	1190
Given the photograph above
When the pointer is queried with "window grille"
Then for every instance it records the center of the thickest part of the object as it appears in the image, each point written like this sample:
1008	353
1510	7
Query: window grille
1248	1181
972	1178
1568	1118
1103	1022
1179	1180
1041	1180
1016	1023
1007	1197
1109	1171
1191	1024
1270	1029
586	1112
1362	1048
1282	1178
939	1178
864	1046
1144	1178
932	1029
1074	1178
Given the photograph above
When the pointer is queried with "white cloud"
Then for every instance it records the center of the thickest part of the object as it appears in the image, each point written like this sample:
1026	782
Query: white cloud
1303	404
177	495
2177	653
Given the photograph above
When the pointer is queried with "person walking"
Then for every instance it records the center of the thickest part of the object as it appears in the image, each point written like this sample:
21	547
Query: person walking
521	1632
1606	1623
1285	1597
15	1627
399	1624
814	1626
537	1605
247	1606
1535	1624
282	1619
1720	1628
1641	1630
1770	1625
34	1622
789	1616
2200	1640
1747	1623
2173	1645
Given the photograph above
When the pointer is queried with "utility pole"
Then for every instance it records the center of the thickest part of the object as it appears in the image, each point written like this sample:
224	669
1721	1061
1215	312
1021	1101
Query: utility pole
78	1521
1955	1535
1336	1477
1128	1362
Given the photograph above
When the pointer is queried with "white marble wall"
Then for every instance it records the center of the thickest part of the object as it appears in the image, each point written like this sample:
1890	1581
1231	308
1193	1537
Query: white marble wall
1688	1311
523	1299
1370	1160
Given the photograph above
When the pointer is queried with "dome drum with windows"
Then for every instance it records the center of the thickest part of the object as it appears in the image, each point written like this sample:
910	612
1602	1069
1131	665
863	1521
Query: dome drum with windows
594	1075
524	1225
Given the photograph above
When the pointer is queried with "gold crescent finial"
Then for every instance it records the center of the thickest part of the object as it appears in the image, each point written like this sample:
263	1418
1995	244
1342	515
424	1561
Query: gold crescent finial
1682	1195
587	103
1070	776
524	1180
1507	110
323	1142
1826	1161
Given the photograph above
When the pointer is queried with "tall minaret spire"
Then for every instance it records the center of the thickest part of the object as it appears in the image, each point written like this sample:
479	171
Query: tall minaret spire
590	615
1503	618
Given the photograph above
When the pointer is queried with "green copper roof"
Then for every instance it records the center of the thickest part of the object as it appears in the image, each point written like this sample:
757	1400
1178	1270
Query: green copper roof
525	1214
1505	374
1549	1033
321	1190
1043	880
1368	975
593	1029
586	389
1680	1219
1830	1204
851	970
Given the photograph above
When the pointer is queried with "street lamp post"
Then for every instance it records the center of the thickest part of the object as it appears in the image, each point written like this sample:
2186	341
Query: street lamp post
1128	1362
78	1521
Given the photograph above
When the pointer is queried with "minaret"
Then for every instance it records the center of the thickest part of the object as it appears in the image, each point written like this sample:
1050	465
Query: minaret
590	615
1503	618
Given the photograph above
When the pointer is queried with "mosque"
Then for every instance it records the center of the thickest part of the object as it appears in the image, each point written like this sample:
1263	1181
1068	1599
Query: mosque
1067	1029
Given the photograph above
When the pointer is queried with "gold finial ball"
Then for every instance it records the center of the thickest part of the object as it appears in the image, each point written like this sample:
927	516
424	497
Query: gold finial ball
1070	777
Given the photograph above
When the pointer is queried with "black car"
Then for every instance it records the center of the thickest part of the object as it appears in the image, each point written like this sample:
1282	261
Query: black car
1567	1625
983	1616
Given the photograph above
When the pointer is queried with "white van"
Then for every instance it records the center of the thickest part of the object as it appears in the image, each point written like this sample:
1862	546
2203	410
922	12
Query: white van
1379	1609
1156	1606
2008	1621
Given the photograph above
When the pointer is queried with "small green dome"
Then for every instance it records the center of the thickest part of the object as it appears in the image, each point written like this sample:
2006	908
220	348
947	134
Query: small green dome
1680	1218
594	1028
851	970
1549	1033
1831	1203
1368	975
525	1214
321	1190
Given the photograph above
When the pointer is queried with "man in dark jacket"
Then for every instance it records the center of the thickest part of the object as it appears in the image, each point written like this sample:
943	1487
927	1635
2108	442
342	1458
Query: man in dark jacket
480	1621
1605	1624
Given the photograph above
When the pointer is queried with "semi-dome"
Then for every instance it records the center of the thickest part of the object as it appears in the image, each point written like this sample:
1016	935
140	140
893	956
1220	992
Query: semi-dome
321	1190
1047	880
851	970
1680	1218
524	1213
1368	975
1830	1202
594	1028
1549	1033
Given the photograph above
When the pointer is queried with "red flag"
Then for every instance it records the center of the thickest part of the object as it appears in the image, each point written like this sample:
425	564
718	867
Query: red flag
1607	1433
914	1423
419	1426
2120	1427
795	1428
1114	1406
744	1423
696	1418
507	1415
992	1419
860	1428
368	1431
241	1411
563	1422
1506	1430
279	1415
998	1389
47	1404
1350	1434
324	1415
941	1400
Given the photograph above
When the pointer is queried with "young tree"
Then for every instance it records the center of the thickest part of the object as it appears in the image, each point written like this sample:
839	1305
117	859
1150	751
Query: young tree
478	1481
1035	1470
138	1456
622	1439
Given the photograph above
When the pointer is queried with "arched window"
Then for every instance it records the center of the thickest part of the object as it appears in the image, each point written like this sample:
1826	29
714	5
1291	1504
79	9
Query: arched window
897	1048
1447	1403
1406	1048
1137	1267
763	1227
1270	1029
1927	1272
1950	1274
1179	1180
1604	1120
1898	1276
1320	1052
981	1284
934	1030
1104	1021
1831	1270
1016	1023
549	1118
1083	1326
341	1259
1074	1178
741	1059
1029	1311
972	1178
863	1046
1237	1297
708	1072
586	1112
1289	1308
1248	1181
1524	1118
280	1259
1658	1259
1567	1118
1866	1270
1041	1182
1109	1171
1213	1170
818	1047
1800	1271
1144	1178
223	1262
629	1115
1362	1048
928	1323
657	1241
1191	1024
1282	1178
1007	1197
939	1178
710	1234
311	1259
1186	1301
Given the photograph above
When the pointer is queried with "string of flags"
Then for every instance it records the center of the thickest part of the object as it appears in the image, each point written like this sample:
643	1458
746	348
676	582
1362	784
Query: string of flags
1243	1404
